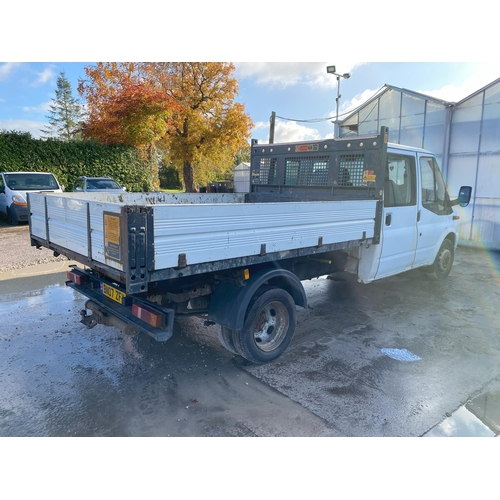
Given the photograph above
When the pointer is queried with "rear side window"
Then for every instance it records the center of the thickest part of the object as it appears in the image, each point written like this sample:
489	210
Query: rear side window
400	186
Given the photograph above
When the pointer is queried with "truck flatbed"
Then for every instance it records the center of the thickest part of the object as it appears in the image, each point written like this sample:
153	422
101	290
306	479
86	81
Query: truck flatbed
164	236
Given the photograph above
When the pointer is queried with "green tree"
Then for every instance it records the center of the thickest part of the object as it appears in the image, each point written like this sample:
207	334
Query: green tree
242	155
65	113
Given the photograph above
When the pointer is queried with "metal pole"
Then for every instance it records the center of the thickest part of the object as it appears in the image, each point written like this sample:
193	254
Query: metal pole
331	70
336	128
271	127
338	98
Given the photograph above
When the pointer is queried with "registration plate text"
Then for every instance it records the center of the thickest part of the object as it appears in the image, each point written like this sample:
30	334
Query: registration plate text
112	293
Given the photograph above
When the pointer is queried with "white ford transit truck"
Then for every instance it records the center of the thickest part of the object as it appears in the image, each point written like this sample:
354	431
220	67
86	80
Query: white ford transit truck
238	259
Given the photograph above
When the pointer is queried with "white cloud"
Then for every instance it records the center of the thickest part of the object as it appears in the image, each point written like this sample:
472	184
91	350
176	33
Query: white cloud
7	68
32	127
283	74
486	74
41	108
46	76
289	131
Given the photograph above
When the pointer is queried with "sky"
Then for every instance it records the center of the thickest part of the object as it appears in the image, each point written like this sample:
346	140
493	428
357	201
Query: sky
303	94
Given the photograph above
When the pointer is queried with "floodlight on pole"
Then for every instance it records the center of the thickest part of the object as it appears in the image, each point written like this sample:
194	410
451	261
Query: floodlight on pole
332	71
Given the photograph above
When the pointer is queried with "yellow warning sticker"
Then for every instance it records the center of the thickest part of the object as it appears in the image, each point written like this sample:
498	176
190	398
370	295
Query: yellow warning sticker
112	236
369	176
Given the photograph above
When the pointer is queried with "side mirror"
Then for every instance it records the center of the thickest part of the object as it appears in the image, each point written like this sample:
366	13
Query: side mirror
464	196
78	188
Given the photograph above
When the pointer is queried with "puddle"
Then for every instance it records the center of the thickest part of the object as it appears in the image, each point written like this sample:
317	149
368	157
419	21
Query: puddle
400	354
487	409
478	418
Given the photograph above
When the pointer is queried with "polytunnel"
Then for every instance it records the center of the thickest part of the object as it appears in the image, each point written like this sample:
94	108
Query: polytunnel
465	137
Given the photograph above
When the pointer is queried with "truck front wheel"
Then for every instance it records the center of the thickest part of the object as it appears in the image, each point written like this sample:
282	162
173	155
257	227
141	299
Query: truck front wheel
444	261
269	326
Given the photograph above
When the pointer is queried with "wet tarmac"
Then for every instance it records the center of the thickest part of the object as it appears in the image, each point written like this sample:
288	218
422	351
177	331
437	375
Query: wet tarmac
62	379
402	357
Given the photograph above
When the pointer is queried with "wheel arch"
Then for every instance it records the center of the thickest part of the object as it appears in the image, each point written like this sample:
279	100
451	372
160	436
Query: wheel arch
452	236
229	302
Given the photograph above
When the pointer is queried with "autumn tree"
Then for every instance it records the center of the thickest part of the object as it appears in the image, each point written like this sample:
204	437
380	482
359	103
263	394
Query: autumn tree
209	125
65	113
123	107
186	109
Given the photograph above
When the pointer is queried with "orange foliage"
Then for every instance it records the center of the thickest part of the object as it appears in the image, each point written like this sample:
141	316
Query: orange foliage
122	106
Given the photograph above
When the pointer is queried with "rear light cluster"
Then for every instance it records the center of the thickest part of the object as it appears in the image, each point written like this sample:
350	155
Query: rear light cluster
147	315
76	277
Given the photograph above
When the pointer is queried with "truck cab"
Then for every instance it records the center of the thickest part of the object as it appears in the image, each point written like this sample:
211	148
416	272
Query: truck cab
419	226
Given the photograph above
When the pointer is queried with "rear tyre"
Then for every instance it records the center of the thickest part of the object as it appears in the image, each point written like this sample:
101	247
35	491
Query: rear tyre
269	326
444	261
226	338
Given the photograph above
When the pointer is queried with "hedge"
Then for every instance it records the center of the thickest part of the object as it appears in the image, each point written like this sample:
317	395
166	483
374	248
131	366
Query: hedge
20	152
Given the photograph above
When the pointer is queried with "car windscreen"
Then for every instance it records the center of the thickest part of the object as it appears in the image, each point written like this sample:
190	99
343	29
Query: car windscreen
102	184
30	182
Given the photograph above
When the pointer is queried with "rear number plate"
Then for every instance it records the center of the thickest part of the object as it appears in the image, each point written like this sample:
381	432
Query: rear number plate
112	293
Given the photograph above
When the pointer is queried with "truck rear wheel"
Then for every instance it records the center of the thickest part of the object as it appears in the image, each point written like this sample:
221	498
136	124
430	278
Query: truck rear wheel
226	338
444	261
269	326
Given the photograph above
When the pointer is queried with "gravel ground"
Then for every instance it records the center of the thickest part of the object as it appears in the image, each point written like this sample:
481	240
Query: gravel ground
16	251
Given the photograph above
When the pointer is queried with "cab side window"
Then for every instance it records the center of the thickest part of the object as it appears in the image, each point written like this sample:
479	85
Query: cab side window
433	188
400	181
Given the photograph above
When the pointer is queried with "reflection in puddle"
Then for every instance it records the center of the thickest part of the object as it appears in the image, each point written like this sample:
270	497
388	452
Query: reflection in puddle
487	409
461	424
478	418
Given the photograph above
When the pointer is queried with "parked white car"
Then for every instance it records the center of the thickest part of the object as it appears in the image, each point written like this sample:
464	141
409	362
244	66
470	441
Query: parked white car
96	184
13	189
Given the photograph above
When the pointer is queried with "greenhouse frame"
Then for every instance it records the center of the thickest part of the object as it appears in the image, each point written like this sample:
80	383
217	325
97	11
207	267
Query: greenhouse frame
464	136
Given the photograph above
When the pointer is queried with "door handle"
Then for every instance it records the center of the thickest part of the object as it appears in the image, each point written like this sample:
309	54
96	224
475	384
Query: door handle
418	216
388	219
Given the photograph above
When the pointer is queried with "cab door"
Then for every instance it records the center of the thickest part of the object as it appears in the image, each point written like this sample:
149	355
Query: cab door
399	222
434	214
